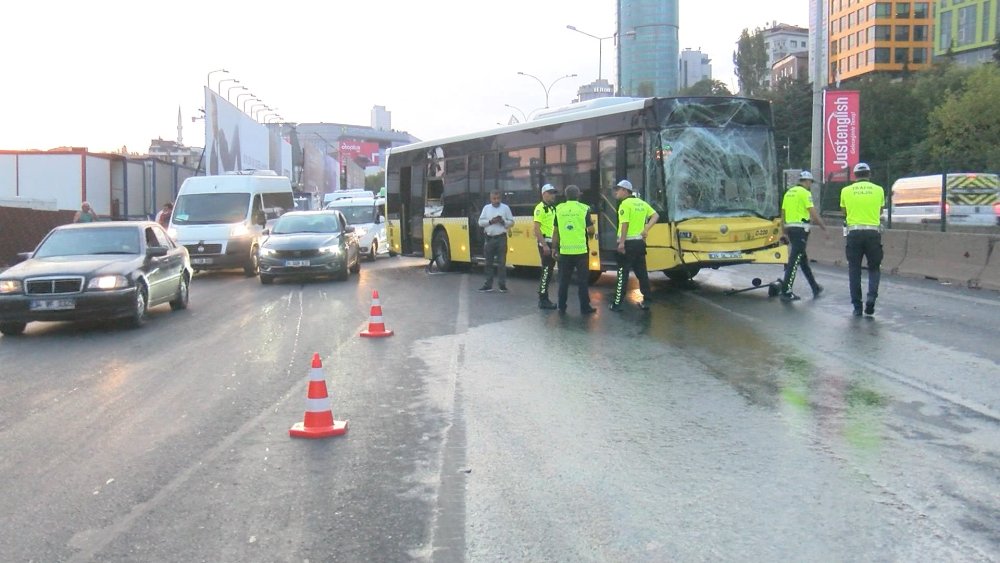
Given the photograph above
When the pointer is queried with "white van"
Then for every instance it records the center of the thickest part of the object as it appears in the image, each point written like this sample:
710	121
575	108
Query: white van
220	218
366	216
973	199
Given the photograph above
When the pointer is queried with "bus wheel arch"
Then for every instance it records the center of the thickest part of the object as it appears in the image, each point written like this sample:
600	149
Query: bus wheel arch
441	250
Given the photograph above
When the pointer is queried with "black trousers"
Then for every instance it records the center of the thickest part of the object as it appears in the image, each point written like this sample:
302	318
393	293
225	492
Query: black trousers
633	259
495	253
865	245
571	265
797	258
548	264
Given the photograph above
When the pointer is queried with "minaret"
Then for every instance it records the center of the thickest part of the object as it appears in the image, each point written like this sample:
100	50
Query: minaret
180	128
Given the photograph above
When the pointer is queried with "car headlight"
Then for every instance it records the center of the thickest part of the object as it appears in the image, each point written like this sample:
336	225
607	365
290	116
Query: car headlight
332	249
107	282
11	286
267	251
240	230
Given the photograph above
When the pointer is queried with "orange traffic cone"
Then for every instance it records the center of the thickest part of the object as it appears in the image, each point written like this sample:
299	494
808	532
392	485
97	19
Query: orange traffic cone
318	421
376	327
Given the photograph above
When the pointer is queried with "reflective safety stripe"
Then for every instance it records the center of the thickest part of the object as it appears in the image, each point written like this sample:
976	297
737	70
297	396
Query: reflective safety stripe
316	374
862	228
319	405
800	225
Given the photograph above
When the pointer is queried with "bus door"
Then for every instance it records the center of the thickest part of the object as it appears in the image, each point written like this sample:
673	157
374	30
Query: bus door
482	180
619	157
405	199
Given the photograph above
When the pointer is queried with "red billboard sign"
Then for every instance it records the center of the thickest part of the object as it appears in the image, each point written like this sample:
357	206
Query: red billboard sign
354	149
841	133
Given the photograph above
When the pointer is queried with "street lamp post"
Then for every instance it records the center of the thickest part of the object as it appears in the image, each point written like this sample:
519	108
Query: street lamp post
208	79
243	107
600	46
542	84
252	111
218	85
247	93
231	89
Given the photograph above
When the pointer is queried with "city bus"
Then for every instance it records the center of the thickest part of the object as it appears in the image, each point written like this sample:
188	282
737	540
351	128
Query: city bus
972	199
707	165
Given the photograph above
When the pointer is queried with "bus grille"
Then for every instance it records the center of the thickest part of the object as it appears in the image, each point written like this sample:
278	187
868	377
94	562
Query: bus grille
53	286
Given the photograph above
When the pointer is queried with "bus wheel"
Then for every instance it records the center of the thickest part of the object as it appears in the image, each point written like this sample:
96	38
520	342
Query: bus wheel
682	274
594	276
441	251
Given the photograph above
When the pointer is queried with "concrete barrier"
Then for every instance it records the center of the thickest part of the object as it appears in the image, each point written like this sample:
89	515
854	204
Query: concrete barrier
826	250
959	258
990	276
895	245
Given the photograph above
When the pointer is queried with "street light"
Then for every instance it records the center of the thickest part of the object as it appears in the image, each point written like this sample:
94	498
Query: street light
264	111
218	85
237	88
600	45
244	106
252	106
524	116
208	79
542	84
247	93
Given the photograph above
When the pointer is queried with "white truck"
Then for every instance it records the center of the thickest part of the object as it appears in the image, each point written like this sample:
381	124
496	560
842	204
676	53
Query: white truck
366	216
220	218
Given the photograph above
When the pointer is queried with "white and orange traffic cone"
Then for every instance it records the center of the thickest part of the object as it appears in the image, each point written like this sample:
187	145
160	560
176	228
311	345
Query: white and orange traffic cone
376	327
318	421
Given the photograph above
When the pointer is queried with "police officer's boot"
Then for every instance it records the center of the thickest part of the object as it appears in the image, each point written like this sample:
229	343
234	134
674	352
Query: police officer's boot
544	303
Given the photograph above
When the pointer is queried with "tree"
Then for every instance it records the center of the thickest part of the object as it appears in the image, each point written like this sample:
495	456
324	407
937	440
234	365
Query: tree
750	62
964	132
375	182
792	108
706	87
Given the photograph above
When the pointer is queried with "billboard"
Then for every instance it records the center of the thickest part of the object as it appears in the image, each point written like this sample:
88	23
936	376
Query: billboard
233	141
841	133
351	149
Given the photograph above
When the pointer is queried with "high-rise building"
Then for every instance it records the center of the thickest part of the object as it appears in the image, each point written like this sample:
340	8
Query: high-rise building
648	47
969	28
868	36
780	41
695	66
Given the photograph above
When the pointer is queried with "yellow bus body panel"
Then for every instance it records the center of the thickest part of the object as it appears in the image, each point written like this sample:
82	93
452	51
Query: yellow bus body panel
457	229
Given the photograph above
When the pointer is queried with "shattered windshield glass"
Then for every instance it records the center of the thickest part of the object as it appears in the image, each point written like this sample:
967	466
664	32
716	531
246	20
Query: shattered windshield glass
716	157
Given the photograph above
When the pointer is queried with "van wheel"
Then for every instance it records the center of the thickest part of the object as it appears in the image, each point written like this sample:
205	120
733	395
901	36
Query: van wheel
252	267
441	251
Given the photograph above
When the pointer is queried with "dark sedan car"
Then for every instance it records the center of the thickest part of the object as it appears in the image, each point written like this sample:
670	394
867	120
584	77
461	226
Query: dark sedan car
95	271
309	243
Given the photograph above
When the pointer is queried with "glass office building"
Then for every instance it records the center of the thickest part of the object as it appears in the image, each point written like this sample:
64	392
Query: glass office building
648	47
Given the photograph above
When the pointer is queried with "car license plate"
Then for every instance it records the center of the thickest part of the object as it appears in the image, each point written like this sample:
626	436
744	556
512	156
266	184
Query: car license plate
296	263
201	260
732	255
52	304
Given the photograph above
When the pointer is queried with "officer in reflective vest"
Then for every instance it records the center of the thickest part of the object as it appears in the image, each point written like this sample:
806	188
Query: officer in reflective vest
635	218
862	204
573	227
798	214
545	215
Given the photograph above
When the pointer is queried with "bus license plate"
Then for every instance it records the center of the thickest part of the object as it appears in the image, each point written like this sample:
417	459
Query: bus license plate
52	304
296	263
732	255
199	261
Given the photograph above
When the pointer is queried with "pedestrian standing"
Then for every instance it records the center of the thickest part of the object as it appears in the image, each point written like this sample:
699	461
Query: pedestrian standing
798	215
86	214
635	218
163	217
862	204
545	214
572	229
495	220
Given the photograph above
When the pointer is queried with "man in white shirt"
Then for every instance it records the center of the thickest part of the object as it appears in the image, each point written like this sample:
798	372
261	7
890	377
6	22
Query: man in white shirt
495	220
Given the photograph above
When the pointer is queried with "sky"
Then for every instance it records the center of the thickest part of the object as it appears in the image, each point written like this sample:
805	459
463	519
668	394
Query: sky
109	74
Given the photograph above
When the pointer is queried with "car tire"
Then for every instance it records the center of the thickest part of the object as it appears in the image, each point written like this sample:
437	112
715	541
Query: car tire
12	328
183	293
252	267
140	307
266	279
357	265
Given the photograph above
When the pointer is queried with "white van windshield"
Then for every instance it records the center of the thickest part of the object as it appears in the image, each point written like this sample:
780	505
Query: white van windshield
207	209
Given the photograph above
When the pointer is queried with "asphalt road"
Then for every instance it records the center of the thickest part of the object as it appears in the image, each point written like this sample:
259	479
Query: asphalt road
714	427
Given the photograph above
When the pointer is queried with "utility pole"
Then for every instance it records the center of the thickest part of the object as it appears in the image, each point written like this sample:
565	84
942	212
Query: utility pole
819	80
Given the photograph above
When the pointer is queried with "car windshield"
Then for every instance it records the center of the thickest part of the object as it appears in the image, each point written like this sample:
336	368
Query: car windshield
207	209
79	242
358	214
291	224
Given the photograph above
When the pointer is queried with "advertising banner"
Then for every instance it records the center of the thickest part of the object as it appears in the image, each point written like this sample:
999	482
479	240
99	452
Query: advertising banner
841	133
233	141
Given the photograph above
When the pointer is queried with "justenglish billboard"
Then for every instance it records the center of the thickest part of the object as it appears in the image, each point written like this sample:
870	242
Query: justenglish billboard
841	133
233	141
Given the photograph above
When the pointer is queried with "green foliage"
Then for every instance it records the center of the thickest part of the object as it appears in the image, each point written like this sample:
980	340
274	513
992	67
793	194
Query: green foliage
996	50
791	103
375	182
750	62
706	87
964	132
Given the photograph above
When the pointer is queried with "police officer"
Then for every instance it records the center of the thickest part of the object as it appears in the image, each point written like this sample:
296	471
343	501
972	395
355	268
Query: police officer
635	218
862	204
573	227
798	214
545	214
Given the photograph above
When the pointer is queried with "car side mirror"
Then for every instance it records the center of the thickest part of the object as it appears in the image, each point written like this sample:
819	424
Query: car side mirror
156	251
22	256
265	232
349	229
